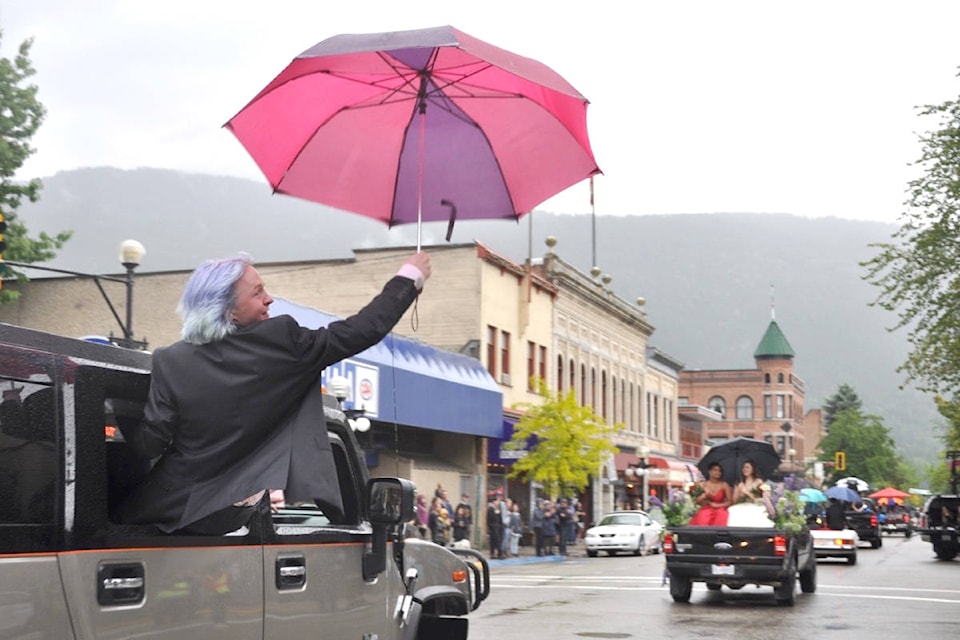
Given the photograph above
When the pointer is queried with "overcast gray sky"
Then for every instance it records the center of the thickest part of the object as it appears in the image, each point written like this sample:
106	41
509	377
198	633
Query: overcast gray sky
696	107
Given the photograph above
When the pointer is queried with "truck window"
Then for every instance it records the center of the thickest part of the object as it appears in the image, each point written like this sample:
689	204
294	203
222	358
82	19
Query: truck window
28	453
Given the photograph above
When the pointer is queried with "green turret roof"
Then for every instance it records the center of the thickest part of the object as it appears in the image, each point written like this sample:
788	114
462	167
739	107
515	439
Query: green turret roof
773	344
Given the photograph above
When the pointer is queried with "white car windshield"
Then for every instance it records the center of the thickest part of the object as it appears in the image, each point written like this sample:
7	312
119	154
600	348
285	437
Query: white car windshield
622	518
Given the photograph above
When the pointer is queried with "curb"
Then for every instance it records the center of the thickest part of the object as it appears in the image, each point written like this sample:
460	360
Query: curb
526	560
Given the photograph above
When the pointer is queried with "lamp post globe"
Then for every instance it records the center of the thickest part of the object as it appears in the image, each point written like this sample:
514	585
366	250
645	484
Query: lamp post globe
131	253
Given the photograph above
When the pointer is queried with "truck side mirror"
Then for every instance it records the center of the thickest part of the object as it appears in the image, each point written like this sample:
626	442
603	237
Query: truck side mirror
389	502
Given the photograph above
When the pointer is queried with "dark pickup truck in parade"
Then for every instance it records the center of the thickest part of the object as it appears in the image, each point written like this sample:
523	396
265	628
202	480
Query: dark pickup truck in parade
939	522
866	524
749	550
68	571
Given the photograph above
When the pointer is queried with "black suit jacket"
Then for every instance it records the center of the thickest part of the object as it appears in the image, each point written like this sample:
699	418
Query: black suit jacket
233	417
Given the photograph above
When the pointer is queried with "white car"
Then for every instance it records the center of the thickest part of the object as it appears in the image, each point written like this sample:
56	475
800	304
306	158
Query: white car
632	531
833	543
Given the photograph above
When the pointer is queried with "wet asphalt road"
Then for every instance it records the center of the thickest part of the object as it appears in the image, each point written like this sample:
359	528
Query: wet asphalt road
898	591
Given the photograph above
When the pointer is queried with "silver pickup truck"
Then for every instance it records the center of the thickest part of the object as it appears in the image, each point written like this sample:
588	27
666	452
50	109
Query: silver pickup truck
68	572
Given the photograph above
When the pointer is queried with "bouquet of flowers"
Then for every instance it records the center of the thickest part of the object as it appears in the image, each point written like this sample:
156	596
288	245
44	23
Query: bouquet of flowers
677	510
696	490
757	491
787	510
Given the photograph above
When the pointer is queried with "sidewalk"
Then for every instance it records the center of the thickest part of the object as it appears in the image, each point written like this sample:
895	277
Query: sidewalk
528	555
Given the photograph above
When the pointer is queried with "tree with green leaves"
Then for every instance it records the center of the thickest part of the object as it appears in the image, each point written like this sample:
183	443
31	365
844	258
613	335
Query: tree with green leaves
938	474
845	398
20	116
569	442
918	273
870	451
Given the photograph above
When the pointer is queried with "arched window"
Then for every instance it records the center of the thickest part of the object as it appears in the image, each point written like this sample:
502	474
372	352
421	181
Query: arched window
560	380
744	408
718	404
780	378
583	385
766	378
573	377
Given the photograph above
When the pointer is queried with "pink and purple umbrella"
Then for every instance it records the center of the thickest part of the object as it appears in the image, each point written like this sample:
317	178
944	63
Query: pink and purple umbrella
418	126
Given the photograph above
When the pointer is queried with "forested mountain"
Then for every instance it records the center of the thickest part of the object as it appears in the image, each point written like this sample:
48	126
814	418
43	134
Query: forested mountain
711	281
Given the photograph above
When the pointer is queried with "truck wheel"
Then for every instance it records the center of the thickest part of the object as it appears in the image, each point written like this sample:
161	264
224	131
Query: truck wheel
591	553
714	586
945	552
680	589
852	559
908	533
785	592
876	543
808	577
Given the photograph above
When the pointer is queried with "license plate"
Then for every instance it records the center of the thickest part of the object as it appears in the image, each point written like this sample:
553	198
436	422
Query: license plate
722	569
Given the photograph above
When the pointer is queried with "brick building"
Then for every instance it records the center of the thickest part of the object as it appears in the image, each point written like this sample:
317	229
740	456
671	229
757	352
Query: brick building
765	403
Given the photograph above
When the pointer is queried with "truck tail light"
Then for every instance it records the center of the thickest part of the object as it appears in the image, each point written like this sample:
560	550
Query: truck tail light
906	519
668	543
459	575
873	520
779	545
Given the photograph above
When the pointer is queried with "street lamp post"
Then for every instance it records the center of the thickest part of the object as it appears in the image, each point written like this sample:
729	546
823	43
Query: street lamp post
644	454
131	253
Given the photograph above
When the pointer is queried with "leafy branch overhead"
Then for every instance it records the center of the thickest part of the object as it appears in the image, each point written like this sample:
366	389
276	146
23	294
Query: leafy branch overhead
20	116
565	443
918	272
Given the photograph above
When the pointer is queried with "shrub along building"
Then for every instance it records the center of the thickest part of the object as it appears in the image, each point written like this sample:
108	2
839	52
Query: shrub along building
765	403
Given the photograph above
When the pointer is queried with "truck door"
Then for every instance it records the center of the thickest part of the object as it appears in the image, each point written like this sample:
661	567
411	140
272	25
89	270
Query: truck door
314	571
133	581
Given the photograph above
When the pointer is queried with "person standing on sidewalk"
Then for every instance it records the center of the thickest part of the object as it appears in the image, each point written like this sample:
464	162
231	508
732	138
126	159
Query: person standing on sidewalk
563	522
494	525
516	529
505	509
536	522
549	527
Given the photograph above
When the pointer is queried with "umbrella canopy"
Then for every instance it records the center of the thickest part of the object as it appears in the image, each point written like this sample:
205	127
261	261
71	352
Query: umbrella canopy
731	454
422	125
856	483
809	494
889	492
843	493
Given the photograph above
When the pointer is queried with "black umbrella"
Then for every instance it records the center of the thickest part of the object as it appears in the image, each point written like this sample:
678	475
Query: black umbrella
731	454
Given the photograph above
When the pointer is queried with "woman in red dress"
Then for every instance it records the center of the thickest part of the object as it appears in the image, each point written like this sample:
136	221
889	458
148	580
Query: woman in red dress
714	500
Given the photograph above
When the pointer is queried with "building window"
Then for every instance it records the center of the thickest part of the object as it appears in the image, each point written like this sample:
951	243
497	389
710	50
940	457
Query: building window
505	356
744	408
780	409
649	412
560	379
718	404
573	377
768	407
492	351
593	387
779	378
766	378
656	416
603	396
542	365
583	385
531	364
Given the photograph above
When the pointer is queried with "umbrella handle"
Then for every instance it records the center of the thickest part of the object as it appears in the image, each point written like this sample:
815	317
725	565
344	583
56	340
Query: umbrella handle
453	216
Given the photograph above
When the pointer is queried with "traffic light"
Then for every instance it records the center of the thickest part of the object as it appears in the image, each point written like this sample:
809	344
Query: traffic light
840	460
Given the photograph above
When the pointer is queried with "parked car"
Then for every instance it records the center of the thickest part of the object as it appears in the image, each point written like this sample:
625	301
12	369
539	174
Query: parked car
633	531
